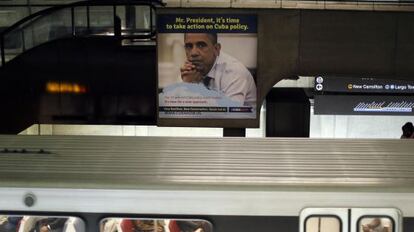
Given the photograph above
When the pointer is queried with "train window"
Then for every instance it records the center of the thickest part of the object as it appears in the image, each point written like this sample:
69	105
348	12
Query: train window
323	224
154	225
324	220
26	223
375	224
376	220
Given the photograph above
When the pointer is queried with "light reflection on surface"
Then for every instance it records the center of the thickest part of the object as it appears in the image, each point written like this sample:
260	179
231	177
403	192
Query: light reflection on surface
65	87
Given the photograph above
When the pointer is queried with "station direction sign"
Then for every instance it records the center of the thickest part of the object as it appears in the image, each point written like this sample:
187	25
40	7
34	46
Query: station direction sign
362	85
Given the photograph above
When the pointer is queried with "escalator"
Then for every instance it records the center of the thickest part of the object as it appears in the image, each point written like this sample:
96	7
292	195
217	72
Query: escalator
91	62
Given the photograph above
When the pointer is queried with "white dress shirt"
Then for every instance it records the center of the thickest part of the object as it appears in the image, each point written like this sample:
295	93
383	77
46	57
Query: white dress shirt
230	77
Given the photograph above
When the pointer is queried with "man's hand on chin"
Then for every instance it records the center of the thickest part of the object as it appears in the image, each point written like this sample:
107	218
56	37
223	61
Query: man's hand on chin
190	74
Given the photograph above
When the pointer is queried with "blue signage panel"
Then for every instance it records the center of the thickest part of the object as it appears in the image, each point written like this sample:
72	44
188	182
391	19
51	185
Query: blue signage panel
204	23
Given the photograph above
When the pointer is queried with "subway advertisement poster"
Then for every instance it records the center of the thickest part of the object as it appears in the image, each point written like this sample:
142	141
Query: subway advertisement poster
207	66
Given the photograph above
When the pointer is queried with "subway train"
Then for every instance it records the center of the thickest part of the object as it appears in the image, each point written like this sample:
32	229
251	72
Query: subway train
230	184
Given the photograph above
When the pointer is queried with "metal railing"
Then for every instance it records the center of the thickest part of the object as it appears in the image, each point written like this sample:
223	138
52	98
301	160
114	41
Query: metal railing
132	19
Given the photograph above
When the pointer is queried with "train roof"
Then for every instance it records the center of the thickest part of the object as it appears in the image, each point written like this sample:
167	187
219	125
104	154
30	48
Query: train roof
108	162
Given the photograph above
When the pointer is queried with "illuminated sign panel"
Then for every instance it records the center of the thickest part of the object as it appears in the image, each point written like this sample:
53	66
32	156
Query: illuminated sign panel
206	66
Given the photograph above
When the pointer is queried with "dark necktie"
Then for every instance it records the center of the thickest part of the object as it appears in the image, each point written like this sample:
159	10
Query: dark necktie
206	81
